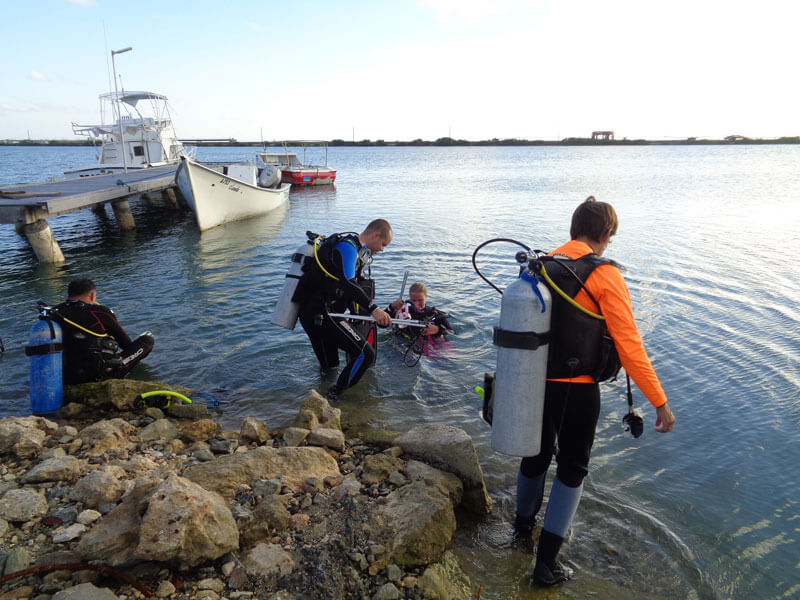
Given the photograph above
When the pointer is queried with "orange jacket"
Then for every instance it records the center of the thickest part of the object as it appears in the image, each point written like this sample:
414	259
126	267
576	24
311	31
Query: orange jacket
608	287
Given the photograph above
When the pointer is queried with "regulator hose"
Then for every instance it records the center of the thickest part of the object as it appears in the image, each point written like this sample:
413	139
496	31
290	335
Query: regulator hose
486	243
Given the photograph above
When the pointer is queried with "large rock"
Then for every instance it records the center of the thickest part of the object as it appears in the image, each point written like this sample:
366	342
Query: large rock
418	522
316	412
453	450
24	436
22	505
227	474
60	468
447	482
445	580
96	488
117	393
114	538
198	431
187	524
106	435
378	467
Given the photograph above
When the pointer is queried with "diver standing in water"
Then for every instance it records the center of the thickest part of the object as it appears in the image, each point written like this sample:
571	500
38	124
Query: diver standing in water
93	337
572	394
332	282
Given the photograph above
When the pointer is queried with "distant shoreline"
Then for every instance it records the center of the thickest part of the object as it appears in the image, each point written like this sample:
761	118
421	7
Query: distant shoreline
730	140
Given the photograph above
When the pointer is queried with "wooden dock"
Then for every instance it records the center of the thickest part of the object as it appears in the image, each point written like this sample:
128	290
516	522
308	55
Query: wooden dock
28	206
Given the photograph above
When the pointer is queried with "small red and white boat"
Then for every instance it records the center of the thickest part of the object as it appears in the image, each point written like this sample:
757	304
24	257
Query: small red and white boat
298	172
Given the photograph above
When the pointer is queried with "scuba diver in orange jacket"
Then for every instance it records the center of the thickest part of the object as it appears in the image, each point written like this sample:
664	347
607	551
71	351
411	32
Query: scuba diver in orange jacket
572	394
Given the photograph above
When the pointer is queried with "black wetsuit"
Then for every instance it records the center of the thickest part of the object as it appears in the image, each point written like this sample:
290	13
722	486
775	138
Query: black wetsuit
429	314
319	295
89	357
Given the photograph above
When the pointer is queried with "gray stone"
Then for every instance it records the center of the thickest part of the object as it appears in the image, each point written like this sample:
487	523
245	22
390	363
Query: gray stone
18	559
67	515
85	591
388	591
350	486
324	436
165	589
3	529
294	436
154	413
88	516
266	487
452	448
68	534
60	468
106	435
22	505
211	583
98	487
394	573
268	560
222	445
204	454
397	478
254	430
162	429
188	411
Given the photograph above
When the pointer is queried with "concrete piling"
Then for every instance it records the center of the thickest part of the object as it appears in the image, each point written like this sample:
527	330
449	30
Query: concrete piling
122	211
42	241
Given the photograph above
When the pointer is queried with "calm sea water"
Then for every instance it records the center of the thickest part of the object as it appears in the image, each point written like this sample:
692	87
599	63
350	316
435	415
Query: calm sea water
710	237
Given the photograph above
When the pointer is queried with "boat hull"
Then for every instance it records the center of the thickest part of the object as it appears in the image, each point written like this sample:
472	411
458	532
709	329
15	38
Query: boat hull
309	176
216	198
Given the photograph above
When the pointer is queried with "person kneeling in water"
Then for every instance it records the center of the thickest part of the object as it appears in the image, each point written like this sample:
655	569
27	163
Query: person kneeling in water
416	308
93	336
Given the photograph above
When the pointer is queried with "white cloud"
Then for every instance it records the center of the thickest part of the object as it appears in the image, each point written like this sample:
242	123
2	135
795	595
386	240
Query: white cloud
37	76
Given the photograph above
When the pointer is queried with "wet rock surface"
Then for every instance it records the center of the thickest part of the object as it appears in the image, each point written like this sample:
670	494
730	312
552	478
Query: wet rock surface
179	508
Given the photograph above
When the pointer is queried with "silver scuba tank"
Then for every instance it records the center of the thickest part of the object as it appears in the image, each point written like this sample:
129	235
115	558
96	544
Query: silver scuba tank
286	311
523	341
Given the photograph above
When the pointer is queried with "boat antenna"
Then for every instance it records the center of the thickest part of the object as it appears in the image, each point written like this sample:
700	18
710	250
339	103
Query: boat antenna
108	66
263	145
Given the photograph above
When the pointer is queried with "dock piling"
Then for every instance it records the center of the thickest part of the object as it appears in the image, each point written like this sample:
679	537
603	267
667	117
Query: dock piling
42	241
122	211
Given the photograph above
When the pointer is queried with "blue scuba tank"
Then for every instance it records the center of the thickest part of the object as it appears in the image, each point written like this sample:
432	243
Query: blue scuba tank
46	364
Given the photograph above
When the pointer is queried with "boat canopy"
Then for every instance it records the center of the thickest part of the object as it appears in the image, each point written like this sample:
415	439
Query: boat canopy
132	97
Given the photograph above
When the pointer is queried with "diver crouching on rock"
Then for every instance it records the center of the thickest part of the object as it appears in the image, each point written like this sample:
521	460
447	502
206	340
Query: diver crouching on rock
96	346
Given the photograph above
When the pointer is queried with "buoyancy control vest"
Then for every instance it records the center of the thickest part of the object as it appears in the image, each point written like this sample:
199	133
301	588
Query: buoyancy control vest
319	280
580	343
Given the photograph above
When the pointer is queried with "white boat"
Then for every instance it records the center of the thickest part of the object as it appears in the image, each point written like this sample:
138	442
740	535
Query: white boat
299	172
139	135
220	193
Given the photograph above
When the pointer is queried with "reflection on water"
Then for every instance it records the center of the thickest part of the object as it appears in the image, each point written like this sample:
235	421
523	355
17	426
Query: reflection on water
708	236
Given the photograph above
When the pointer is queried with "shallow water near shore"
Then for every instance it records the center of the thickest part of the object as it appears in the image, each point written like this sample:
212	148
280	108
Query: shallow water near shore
708	234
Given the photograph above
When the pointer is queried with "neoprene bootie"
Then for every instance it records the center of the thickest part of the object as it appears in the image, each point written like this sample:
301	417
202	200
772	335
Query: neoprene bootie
548	571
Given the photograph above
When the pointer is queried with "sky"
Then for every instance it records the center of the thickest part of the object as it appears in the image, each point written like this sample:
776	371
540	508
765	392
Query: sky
407	69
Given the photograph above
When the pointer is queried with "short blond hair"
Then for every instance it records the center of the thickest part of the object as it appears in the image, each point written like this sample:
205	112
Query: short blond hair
379	225
418	288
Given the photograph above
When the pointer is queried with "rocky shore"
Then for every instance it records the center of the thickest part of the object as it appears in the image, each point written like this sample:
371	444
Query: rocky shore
114	500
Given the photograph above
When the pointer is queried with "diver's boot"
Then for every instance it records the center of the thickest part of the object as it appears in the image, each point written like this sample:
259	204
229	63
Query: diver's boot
333	394
548	571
